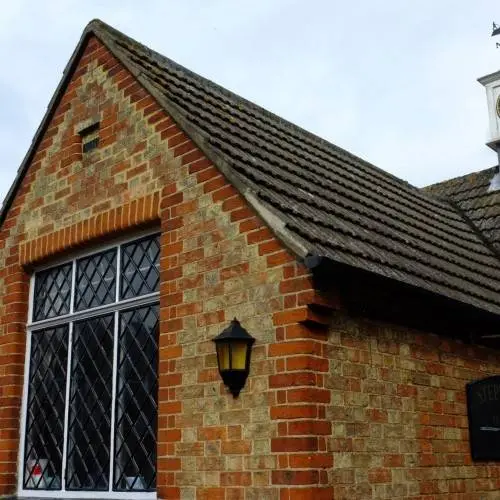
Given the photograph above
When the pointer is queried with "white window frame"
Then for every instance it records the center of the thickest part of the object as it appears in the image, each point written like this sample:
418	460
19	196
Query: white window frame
73	316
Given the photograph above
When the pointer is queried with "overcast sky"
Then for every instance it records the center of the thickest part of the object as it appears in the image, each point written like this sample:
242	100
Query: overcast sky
393	81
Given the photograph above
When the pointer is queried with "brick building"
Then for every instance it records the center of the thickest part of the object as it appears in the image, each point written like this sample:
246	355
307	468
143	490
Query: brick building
152	208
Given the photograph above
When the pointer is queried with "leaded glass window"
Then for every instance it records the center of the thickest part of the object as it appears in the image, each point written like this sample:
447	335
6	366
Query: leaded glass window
140	268
52	292
137	382
89	424
95	280
46	404
91	399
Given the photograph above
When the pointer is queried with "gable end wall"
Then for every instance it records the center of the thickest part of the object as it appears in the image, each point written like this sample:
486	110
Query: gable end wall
218	261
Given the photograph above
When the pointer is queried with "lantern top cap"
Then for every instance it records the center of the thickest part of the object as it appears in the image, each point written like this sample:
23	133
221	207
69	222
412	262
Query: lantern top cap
234	332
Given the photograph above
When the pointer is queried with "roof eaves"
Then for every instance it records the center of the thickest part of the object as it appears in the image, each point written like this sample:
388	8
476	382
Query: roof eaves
323	266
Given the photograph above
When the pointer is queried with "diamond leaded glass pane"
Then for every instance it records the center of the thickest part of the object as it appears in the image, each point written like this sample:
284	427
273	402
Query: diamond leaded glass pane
140	273
45	409
89	428
136	400
87	437
52	292
95	280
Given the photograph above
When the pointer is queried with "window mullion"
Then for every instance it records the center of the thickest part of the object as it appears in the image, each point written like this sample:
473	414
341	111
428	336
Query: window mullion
68	379
115	370
113	402
66	408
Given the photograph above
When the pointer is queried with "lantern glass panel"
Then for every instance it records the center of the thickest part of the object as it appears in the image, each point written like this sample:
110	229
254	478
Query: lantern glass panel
223	355
238	355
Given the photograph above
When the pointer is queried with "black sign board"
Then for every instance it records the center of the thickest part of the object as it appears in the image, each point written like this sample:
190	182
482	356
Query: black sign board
483	406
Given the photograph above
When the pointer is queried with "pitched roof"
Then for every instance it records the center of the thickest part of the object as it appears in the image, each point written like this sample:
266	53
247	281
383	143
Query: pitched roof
473	195
318	198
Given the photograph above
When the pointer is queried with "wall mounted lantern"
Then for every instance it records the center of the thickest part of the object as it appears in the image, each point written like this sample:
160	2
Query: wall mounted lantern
234	346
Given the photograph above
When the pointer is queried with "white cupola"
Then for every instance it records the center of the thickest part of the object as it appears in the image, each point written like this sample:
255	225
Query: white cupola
492	85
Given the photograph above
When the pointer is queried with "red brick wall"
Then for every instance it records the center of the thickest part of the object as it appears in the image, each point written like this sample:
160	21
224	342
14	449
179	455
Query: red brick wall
218	262
355	411
399	416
